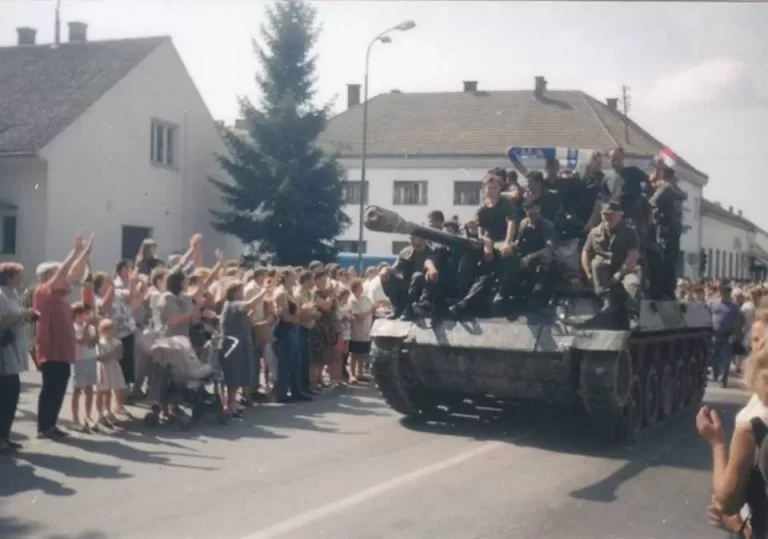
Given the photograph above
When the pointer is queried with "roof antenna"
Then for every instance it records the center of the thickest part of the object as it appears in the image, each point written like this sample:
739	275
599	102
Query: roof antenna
57	26
626	103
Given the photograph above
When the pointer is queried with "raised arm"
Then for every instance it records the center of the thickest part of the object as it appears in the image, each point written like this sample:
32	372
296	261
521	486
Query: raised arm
60	279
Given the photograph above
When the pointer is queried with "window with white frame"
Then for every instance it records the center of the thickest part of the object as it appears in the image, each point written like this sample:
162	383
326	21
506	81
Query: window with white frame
351	246
410	193
163	144
8	230
467	193
350	192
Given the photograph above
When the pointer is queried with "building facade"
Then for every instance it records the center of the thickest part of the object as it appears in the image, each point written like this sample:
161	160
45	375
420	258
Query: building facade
129	157
727	241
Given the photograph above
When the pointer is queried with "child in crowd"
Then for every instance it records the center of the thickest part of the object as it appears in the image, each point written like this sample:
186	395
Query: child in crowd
86	365
111	379
361	309
344	316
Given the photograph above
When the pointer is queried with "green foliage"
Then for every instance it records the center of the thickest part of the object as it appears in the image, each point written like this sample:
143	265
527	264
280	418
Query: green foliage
285	193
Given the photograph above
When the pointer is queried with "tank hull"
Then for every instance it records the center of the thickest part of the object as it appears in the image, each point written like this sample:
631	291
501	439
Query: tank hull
625	380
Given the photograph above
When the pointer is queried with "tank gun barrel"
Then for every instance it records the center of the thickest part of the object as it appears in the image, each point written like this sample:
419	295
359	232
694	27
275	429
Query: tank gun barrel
380	219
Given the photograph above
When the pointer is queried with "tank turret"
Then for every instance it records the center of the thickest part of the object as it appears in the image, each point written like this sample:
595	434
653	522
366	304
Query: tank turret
380	219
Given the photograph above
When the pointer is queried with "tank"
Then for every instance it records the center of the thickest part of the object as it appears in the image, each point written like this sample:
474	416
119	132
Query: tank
564	353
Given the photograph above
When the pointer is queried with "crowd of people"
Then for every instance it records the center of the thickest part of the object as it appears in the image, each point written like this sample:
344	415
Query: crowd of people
298	331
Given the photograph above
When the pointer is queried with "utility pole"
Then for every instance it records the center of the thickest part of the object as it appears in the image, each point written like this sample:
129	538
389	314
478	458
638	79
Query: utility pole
57	26
625	103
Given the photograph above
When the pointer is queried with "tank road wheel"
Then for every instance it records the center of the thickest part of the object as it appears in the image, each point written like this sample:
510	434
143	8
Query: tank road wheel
633	410
696	381
651	396
667	391
612	394
681	385
398	386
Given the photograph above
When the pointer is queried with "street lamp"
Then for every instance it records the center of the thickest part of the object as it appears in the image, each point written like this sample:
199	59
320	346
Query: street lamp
383	38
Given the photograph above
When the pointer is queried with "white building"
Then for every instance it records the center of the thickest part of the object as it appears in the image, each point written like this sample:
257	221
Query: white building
727	239
736	248
105	136
429	151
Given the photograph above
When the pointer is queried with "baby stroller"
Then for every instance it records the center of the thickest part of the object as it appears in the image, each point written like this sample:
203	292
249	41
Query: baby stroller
173	386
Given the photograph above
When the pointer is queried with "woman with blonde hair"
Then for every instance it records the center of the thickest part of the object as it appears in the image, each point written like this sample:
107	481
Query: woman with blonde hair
737	480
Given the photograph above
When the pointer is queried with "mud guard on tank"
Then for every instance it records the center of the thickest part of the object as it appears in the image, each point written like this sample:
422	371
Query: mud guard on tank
499	334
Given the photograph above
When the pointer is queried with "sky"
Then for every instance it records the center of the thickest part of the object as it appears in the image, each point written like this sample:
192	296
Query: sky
697	72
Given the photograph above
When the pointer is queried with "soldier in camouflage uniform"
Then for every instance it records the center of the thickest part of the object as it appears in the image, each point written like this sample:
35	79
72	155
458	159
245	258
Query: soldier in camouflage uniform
610	260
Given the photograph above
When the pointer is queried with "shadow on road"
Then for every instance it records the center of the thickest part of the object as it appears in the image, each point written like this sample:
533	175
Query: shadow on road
670	444
12	527
19	477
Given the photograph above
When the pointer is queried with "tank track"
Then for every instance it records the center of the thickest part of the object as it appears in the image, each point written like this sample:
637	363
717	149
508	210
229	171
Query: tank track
655	379
398	385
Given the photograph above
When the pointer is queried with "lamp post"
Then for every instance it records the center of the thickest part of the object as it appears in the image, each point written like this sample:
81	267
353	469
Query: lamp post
383	38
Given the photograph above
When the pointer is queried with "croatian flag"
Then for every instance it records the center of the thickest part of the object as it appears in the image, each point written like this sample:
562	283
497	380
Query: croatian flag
667	157
568	157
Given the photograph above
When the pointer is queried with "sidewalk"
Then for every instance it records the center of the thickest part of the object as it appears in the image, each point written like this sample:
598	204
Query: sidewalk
25	424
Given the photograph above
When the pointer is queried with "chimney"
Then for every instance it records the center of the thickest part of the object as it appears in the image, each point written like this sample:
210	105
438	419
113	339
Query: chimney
395	91
26	35
740	214
470	86
77	32
353	95
540	87
730	209
612	103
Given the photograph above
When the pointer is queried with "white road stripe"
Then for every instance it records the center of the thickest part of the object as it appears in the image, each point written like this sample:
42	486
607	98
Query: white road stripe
313	515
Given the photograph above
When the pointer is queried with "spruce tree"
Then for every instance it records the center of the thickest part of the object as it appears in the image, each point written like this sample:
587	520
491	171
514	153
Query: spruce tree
286	194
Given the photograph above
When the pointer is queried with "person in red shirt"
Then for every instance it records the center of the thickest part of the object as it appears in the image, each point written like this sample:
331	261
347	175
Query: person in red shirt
55	337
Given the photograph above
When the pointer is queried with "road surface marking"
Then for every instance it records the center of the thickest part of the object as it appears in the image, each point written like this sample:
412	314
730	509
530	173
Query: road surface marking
313	515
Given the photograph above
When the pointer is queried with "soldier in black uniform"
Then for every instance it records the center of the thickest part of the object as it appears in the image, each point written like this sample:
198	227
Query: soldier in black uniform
592	192
495	222
404	281
533	253
568	189
610	260
444	283
548	201
667	205
629	187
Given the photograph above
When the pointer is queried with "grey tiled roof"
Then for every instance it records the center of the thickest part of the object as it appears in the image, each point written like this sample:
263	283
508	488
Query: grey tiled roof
484	123
717	211
44	89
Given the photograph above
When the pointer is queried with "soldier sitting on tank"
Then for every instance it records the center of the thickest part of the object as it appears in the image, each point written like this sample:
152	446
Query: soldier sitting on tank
495	222
610	260
404	281
533	252
444	285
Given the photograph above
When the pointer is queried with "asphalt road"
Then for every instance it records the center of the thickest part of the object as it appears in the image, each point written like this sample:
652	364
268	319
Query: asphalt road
346	466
